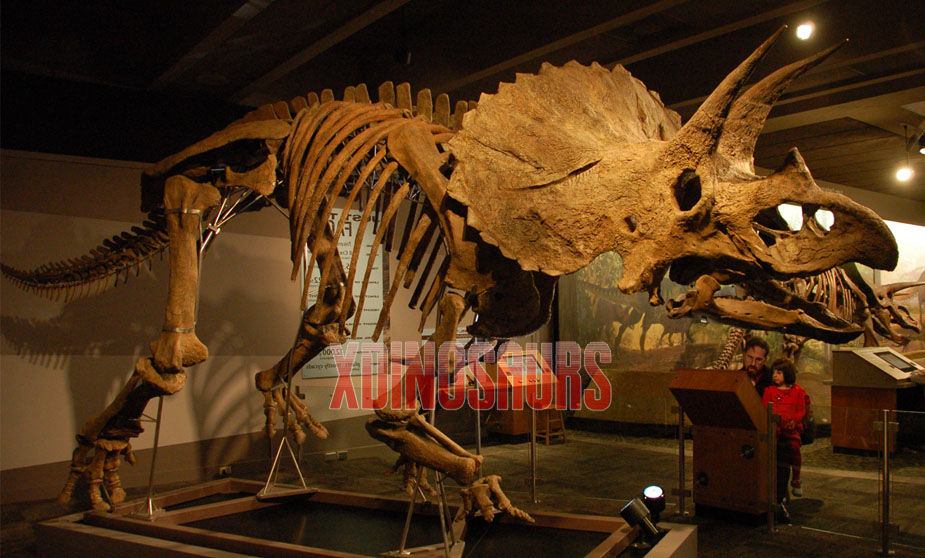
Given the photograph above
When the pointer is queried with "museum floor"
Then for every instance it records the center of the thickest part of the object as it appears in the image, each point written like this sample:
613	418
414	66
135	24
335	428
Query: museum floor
597	473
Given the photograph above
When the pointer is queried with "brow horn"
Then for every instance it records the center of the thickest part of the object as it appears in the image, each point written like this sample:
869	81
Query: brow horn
700	134
749	112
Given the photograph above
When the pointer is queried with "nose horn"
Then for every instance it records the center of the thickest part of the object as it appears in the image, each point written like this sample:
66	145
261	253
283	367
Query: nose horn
699	135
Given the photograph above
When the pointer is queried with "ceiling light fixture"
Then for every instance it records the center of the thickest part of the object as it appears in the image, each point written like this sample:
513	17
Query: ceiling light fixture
922	144
805	30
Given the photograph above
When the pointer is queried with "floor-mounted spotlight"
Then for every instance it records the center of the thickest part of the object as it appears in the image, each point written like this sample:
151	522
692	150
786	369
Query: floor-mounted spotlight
636	513
654	499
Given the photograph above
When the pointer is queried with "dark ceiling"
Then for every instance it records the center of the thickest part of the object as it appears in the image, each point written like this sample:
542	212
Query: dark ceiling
140	80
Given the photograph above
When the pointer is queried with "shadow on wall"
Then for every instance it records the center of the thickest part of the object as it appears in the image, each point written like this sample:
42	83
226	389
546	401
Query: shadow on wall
241	317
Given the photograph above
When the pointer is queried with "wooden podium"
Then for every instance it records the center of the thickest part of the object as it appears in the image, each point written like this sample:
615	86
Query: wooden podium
730	438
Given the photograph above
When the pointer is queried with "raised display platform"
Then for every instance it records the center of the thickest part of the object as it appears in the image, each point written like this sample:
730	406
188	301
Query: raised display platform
224	518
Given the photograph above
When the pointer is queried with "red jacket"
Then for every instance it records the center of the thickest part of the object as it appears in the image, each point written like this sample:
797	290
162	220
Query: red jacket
790	404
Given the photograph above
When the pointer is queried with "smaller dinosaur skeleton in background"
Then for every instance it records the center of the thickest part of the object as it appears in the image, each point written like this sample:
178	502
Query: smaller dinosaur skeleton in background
845	293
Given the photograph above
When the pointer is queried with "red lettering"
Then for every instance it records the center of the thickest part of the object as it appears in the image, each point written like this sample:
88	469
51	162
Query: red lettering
568	380
375	362
419	383
602	400
482	398
343	359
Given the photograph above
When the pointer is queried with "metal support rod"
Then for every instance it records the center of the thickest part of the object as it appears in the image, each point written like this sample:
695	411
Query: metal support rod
274	468
885	488
449	519
414	497
681	471
478	423
157	434
533	455
271	478
441	494
442	510
287	418
772	466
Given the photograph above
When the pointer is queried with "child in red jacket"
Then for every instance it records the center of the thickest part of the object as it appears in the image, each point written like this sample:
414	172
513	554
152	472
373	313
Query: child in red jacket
790	403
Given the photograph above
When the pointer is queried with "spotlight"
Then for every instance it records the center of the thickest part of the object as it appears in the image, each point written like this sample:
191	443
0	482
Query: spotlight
904	174
654	499
805	30
922	144
636	513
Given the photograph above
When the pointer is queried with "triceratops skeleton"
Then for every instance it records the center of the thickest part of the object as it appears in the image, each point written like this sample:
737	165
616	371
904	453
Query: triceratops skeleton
530	184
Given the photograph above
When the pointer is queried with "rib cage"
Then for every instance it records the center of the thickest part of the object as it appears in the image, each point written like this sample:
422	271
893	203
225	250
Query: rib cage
101	270
832	288
339	147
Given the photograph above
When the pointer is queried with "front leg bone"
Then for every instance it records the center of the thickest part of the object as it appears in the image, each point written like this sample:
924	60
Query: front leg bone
486	495
414	418
313	337
422	450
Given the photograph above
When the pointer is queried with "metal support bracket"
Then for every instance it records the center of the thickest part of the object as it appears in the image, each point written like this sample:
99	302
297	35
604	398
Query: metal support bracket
151	511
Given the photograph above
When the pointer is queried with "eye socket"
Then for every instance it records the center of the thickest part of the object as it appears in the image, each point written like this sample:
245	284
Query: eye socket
687	190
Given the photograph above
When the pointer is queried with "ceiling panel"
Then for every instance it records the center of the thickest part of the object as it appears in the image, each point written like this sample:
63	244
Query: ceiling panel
141	80
848	152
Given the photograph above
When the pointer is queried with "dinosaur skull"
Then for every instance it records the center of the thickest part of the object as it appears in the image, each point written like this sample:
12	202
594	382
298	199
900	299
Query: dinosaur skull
560	167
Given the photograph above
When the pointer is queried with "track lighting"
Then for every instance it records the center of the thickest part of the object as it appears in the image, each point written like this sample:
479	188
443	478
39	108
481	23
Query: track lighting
805	30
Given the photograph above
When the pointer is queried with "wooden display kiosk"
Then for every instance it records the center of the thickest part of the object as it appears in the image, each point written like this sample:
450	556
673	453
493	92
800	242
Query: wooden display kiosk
520	378
866	381
730	438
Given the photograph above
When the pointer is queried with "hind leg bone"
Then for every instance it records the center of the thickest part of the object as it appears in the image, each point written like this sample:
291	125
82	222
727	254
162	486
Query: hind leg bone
184	202
107	435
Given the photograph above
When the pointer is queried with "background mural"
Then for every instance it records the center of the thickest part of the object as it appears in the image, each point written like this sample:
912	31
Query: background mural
647	347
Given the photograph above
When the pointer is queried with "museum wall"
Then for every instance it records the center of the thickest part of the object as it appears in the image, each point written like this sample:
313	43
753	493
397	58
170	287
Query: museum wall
62	363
